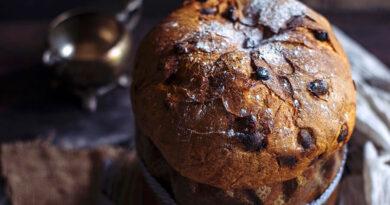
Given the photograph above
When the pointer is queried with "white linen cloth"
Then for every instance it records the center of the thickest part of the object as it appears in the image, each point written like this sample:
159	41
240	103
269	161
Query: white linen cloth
372	79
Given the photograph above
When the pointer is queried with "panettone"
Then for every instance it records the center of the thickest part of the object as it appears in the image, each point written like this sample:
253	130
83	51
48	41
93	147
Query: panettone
238	94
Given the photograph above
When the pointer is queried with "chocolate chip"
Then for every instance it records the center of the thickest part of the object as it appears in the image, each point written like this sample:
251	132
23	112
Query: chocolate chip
254	142
231	14
318	87
288	161
208	11
289	187
321	35
247	124
201	1
251	43
262	73
180	48
305	139
343	134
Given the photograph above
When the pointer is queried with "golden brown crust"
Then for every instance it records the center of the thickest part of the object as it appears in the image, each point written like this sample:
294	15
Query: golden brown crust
241	93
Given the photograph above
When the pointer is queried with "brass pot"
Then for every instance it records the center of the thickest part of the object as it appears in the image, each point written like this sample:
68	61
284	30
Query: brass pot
90	50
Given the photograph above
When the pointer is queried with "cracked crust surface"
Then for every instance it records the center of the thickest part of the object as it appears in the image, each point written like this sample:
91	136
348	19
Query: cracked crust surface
237	94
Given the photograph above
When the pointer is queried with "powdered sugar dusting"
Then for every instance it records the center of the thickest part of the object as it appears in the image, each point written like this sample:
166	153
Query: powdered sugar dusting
296	103
216	36
224	30
325	108
271	53
281	37
272	13
304	57
205	45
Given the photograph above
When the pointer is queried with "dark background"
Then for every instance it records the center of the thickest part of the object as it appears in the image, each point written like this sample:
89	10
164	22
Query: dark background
367	21
46	9
16	10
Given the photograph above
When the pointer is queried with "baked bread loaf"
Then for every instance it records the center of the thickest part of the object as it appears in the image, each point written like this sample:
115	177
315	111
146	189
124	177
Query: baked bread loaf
237	94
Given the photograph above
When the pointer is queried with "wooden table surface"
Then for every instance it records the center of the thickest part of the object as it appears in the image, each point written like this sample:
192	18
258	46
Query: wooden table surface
29	108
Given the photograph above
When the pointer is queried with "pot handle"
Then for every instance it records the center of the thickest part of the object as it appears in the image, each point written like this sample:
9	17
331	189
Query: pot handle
50	58
131	14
